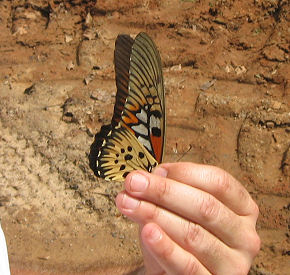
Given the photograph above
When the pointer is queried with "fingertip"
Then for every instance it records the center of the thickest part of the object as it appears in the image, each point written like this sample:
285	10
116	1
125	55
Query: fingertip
151	233
119	199
160	171
136	182
128	179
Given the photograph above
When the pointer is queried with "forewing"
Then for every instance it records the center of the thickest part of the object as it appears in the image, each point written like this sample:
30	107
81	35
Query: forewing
144	108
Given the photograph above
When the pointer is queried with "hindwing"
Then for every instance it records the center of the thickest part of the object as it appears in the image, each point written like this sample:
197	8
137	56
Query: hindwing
119	152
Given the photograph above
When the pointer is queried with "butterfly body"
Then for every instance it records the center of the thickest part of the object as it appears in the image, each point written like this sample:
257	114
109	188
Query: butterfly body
135	138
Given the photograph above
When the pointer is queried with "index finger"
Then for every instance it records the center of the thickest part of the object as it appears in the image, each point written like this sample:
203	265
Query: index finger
213	180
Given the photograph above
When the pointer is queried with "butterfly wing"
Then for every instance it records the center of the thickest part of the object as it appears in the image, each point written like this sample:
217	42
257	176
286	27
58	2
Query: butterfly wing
144	108
123	49
135	137
118	153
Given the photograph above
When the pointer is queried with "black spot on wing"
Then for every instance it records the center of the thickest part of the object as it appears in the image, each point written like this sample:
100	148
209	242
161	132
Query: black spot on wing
125	174
156	132
128	157
156	113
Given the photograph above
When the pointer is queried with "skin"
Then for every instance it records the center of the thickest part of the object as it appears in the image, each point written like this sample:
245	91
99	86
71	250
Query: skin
194	219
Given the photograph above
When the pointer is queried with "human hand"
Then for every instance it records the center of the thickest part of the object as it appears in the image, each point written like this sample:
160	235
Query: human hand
194	219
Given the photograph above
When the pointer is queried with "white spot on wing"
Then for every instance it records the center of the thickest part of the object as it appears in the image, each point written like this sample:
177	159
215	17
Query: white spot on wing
142	116
145	142
140	129
154	122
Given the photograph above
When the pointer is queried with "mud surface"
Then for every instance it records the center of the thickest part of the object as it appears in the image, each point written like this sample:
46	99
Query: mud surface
226	70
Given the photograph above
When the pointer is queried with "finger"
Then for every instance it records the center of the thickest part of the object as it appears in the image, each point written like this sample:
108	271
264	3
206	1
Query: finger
212	180
191	203
151	265
209	250
172	258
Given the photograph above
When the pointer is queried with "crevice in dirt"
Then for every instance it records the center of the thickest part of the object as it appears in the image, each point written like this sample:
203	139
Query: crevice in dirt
35	44
279	9
238	140
273	124
285	162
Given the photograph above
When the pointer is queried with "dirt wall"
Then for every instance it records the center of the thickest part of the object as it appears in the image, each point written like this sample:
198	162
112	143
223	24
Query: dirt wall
226	71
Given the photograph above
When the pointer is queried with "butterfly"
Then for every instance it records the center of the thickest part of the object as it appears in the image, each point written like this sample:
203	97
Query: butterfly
136	135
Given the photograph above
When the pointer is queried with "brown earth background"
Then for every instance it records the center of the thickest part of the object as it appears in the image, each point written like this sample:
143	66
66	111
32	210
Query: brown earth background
226	71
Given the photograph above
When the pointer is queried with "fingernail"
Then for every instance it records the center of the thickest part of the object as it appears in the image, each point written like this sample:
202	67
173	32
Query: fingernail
155	235
160	171
129	203
138	183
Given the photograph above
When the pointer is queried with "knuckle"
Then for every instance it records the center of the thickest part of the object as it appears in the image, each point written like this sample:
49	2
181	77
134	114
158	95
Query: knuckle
153	214
251	243
255	210
193	234
208	208
223	180
243	195
254	243
161	188
215	248
251	208
192	267
167	252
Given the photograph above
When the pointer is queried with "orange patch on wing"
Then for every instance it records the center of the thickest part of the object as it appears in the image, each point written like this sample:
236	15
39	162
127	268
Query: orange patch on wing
136	107
157	147
131	119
